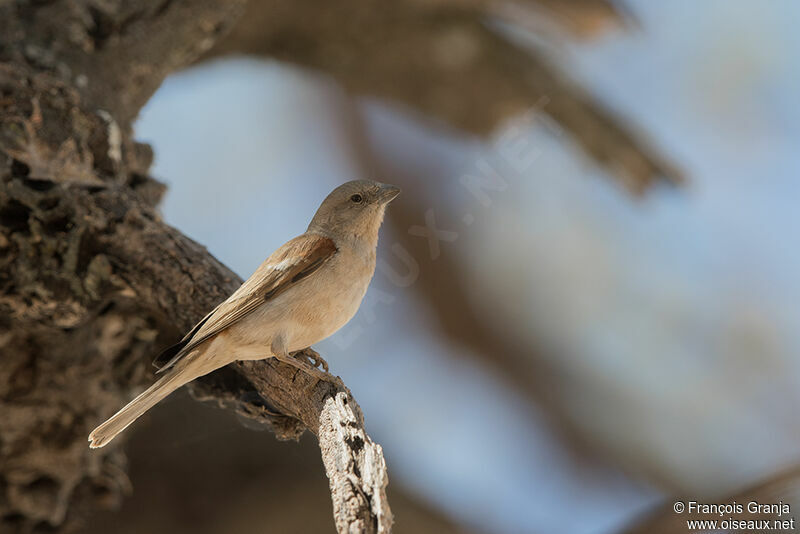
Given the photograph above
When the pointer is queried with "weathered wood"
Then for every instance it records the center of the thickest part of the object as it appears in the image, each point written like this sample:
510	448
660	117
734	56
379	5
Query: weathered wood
290	401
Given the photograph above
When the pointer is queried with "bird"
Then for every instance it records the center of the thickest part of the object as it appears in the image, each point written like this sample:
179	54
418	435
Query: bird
301	294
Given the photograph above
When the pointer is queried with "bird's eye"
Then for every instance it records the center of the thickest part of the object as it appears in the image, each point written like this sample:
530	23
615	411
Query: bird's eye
358	199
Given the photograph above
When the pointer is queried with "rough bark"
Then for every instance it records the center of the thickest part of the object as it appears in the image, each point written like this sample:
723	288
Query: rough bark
93	283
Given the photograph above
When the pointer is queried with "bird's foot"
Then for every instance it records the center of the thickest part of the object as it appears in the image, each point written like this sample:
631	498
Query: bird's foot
311	357
307	368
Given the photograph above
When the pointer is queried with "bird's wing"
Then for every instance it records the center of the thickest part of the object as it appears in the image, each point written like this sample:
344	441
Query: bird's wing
294	261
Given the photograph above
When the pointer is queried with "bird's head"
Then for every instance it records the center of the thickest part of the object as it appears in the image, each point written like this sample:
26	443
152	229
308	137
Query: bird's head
354	209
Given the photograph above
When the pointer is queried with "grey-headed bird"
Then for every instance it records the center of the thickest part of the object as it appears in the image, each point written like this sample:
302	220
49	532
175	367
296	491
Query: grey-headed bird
304	292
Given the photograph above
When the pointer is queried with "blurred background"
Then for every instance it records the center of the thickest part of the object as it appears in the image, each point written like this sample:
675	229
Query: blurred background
586	299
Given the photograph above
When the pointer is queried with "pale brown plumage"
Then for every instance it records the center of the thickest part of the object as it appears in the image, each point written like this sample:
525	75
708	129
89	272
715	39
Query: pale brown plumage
304	292
301	256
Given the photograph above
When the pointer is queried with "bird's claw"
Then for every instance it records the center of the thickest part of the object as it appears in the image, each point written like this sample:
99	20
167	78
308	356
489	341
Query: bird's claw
311	357
300	360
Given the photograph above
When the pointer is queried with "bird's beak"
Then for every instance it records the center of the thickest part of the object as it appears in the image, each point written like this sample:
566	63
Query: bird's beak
387	193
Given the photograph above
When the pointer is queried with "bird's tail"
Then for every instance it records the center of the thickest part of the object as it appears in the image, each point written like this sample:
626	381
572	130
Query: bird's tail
104	433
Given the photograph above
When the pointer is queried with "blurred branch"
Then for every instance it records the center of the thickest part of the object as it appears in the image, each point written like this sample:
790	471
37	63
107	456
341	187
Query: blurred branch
93	282
582	18
444	60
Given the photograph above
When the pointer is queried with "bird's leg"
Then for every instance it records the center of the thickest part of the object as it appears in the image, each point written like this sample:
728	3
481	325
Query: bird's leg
311	357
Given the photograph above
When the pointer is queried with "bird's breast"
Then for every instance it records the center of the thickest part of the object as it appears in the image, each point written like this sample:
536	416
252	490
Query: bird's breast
329	298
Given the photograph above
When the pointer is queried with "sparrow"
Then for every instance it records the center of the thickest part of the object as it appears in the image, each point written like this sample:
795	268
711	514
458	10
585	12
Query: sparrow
304	292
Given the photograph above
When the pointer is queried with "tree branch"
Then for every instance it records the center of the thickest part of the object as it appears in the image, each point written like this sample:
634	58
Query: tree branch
96	269
93	283
289	401
444	60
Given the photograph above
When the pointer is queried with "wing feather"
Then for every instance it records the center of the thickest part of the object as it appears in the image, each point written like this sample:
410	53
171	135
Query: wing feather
293	262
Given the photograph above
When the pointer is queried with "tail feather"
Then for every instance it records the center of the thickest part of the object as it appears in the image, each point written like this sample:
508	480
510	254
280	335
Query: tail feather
104	433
